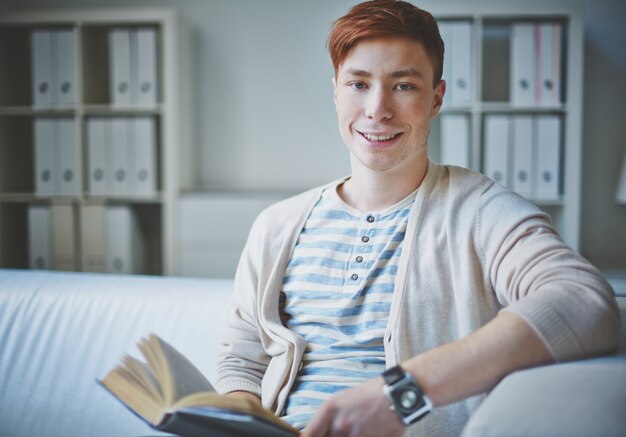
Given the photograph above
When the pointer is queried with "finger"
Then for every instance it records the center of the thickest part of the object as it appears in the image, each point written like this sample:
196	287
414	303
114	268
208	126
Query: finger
320	424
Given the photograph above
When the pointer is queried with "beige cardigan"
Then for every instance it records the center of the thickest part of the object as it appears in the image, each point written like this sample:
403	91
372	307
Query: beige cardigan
471	249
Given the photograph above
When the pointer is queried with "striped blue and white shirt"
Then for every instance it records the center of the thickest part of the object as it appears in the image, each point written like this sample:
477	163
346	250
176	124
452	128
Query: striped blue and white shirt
337	294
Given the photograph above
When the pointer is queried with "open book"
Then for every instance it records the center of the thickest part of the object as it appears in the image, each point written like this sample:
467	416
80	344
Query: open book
171	395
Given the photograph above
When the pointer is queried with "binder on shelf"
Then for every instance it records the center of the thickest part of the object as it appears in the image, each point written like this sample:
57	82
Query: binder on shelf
93	238
123	240
45	157
68	172
142	156
120	70
43	88
118	149
455	140
457	62
522	139
523	64
548	157
461	62
496	149
65	66
39	238
145	65
98	169
549	68
63	237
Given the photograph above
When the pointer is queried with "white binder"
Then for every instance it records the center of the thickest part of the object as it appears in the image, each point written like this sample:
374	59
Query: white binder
522	69
65	65
118	149
63	237
146	67
497	148
68	171
455	140
120	72
98	169
548	157
522	135
93	238
461	62
549	69
142	156
46	167
123	244
39	247
43	81
445	30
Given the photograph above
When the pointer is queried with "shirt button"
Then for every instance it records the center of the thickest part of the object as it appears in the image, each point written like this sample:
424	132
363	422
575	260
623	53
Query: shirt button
370	219
354	276
359	259
365	238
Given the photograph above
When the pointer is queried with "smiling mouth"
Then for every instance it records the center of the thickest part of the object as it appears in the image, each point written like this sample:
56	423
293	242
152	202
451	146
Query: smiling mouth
379	138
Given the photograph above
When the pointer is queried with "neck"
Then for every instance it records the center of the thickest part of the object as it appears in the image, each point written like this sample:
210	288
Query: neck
369	190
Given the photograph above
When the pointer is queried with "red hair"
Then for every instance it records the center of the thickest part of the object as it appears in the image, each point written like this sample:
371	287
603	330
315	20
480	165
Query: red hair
386	18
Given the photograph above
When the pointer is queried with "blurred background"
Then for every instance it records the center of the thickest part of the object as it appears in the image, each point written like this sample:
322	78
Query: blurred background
244	116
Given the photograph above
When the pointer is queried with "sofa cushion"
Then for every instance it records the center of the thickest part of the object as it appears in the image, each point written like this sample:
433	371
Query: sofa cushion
585	398
59	332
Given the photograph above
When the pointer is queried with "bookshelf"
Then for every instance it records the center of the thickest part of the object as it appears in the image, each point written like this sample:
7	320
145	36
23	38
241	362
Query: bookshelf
158	213
75	219
491	31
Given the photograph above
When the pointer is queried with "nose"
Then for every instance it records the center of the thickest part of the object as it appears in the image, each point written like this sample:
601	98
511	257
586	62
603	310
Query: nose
379	105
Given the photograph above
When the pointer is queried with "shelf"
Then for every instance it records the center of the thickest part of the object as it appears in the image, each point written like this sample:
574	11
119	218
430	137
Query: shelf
32	111
507	108
28	198
548	203
99	200
18	198
105	109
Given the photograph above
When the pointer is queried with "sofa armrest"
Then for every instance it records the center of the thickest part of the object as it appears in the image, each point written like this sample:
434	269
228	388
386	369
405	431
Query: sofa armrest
581	398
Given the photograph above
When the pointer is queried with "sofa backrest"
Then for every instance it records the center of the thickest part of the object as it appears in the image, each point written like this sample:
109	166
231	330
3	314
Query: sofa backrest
59	332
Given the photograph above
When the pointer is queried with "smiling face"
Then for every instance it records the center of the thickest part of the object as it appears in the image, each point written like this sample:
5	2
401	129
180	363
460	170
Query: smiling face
385	99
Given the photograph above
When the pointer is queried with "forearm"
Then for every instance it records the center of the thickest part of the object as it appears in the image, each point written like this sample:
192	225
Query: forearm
476	363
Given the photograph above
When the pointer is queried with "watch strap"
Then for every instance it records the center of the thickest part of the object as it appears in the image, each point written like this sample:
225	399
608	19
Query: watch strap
393	375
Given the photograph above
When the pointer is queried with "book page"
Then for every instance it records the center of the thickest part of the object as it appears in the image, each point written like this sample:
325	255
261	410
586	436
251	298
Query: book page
186	378
121	383
141	375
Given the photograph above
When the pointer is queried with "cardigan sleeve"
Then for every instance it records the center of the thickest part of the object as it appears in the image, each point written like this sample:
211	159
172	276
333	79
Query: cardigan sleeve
565	299
243	360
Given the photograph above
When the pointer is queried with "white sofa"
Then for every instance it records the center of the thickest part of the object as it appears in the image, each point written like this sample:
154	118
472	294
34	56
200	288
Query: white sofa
59	332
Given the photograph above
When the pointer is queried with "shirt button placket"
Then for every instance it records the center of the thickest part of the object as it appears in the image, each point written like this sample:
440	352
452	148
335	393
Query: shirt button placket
365	239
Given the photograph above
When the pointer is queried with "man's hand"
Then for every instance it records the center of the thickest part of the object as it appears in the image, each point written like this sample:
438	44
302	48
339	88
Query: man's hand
361	411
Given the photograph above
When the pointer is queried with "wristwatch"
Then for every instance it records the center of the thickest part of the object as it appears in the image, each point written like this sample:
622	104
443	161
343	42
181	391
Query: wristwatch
405	396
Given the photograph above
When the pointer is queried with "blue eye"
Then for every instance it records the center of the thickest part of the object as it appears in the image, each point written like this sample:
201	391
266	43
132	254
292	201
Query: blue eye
404	87
358	85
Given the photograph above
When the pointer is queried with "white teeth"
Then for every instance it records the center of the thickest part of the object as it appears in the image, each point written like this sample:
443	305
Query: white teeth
379	137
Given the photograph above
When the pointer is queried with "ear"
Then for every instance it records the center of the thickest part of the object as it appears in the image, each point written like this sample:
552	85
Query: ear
334	81
440	91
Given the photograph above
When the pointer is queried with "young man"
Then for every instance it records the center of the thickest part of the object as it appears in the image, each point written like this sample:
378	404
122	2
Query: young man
433	275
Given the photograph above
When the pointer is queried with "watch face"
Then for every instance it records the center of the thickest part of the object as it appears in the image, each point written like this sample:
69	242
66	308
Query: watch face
408	400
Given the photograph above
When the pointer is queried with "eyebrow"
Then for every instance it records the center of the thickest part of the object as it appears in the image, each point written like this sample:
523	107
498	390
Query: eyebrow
396	74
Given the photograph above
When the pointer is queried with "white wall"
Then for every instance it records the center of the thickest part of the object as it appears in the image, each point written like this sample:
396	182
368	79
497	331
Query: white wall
265	120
